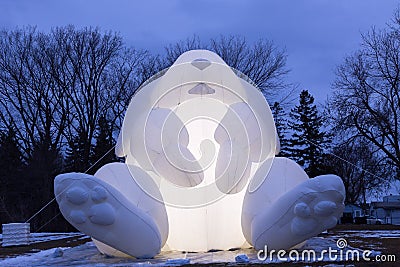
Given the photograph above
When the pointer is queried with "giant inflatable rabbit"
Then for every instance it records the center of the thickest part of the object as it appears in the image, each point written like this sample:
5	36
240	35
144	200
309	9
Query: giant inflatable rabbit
200	172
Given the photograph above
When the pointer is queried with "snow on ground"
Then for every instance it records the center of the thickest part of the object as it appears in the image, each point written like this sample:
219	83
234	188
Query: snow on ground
44	237
36	259
87	254
370	234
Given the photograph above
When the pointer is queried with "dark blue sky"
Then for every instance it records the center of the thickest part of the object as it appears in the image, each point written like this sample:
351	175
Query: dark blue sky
317	34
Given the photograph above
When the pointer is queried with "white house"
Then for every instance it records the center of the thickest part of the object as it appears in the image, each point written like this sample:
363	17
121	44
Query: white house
351	212
388	210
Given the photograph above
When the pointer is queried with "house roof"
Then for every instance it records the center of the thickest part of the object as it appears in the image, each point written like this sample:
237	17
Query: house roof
386	205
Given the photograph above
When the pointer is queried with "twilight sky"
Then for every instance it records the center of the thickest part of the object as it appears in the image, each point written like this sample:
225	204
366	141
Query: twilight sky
317	34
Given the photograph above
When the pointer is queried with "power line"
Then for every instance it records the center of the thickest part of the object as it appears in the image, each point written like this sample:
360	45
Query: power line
336	156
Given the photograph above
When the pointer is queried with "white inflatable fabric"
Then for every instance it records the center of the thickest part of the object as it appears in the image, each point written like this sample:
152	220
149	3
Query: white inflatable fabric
288	207
99	209
199	144
198	131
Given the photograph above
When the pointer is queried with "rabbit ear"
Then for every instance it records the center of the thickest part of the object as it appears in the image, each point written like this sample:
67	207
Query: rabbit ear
243	124
232	171
233	164
162	148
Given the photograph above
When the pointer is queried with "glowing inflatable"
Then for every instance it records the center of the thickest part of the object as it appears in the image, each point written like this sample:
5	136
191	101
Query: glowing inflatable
200	172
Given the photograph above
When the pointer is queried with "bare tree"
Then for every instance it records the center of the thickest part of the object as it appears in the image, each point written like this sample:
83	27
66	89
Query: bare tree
56	86
102	75
360	168
89	53
124	77
263	62
367	96
31	101
173	51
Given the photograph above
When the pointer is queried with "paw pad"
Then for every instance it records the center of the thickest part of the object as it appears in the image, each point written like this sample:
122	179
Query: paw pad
325	208
302	210
102	214
77	195
77	216
98	194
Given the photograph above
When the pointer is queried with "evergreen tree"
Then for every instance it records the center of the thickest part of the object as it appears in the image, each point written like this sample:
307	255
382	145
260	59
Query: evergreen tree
279	115
10	154
43	165
11	177
104	142
308	141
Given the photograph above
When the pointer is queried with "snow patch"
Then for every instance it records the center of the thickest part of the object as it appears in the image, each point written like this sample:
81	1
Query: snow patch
36	259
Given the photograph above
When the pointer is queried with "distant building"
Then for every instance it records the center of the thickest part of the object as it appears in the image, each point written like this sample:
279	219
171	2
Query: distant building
388	210
350	214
